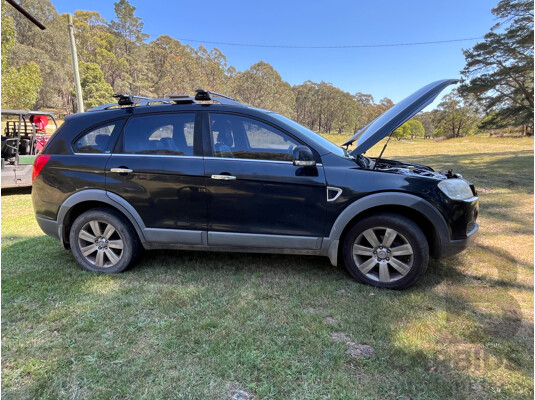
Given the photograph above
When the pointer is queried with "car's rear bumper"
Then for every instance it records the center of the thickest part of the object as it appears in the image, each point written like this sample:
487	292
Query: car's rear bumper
49	226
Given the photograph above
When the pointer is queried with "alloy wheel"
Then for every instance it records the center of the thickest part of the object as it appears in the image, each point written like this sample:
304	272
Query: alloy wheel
100	243
383	254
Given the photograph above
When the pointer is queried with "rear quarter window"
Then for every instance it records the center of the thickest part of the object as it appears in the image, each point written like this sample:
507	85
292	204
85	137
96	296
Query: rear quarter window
97	140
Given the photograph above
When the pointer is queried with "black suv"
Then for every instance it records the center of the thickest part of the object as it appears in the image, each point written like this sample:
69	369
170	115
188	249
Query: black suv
209	173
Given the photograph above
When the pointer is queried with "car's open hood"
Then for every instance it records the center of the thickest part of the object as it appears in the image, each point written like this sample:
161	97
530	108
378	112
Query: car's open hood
396	116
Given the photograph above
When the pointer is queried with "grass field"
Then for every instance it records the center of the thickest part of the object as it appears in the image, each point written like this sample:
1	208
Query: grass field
206	325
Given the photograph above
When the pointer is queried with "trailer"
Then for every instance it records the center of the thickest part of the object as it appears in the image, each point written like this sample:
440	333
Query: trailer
23	137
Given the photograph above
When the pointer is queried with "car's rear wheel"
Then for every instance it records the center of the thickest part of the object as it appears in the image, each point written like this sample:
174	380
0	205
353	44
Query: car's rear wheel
386	250
102	240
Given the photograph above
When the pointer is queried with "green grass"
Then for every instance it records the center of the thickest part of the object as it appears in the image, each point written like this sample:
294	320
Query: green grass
202	325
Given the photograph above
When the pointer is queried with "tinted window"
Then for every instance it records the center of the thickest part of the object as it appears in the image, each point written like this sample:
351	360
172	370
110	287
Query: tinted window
329	146
160	134
96	140
235	136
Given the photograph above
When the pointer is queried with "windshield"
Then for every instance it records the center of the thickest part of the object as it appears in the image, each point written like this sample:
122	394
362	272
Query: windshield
317	139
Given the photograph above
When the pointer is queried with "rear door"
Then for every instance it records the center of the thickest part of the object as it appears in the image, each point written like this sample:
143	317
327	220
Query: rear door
157	167
256	196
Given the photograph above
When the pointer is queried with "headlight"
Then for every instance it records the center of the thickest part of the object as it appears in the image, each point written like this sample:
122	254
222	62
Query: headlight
456	189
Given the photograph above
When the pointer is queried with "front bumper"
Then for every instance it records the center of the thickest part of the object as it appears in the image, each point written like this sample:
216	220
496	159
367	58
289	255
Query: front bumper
453	247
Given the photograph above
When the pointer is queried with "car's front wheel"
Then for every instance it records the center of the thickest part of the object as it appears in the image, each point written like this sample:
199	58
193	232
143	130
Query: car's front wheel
386	250
103	241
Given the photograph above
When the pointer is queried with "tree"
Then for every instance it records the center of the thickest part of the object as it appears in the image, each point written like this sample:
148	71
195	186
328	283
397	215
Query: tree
499	70
454	117
213	66
130	46
384	105
365	111
347	113
128	27
262	86
89	27
324	107
427	118
416	129
94	88
306	104
20	86
96	43
176	68
48	49
9	39
402	132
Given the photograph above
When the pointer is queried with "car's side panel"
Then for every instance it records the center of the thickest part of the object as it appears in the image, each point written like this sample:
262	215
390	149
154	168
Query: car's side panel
167	191
147	236
265	197
180	238
392	199
357	183
100	196
66	172
64	175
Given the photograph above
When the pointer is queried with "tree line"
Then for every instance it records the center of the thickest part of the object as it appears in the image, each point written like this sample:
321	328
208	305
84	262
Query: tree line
116	57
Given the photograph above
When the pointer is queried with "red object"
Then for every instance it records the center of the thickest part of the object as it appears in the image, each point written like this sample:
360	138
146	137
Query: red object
38	165
40	122
40	142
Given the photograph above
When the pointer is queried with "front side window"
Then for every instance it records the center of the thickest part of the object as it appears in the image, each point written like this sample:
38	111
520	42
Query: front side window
96	140
235	136
318	139
165	134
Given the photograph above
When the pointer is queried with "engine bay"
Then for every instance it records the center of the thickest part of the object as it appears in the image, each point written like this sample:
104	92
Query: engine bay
399	167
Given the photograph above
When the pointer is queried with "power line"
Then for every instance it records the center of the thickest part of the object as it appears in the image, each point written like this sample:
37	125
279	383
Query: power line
357	46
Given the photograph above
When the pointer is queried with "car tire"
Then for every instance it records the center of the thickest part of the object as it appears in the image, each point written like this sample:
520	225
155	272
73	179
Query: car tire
102	240
386	250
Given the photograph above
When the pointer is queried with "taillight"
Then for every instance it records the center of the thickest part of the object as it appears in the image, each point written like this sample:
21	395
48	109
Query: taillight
38	165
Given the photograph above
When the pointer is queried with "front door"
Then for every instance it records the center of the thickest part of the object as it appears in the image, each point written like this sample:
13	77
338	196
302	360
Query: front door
256	197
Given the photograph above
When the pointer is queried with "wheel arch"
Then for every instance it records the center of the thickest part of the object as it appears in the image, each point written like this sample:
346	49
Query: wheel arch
419	210
85	200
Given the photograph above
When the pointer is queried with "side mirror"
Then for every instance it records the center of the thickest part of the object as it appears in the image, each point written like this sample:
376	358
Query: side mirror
303	157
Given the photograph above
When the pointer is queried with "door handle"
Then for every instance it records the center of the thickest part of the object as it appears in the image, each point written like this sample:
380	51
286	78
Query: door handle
224	177
121	170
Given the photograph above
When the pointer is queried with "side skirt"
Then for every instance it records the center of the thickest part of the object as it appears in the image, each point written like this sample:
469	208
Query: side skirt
240	242
232	249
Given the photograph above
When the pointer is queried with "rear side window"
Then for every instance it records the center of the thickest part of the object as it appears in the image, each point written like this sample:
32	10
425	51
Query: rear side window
96	140
166	134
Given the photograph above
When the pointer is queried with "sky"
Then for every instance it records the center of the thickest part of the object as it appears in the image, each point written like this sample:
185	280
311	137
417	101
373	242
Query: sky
393	72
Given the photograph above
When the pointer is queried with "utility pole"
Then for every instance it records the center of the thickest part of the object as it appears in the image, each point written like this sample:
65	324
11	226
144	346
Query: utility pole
77	86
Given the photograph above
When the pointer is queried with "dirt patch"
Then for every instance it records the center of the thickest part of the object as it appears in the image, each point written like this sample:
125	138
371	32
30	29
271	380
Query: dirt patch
355	350
240	395
234	392
330	321
360	350
340	337
342	292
